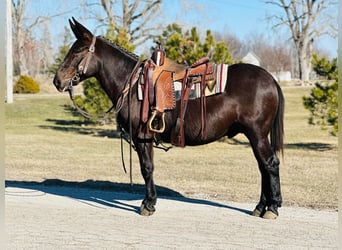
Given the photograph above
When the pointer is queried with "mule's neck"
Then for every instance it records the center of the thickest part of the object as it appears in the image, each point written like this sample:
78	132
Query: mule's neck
115	68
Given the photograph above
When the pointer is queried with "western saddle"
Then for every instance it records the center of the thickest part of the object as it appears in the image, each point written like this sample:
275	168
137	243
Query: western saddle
158	91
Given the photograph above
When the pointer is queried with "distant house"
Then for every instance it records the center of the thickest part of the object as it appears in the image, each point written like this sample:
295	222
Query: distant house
251	58
282	76
254	59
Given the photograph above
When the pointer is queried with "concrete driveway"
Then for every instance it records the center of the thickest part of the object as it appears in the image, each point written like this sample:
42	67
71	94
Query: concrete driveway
59	217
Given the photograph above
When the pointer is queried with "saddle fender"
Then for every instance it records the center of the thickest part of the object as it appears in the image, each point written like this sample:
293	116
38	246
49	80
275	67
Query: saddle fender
165	100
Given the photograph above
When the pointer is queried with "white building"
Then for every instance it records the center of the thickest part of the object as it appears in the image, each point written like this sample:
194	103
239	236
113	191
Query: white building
251	58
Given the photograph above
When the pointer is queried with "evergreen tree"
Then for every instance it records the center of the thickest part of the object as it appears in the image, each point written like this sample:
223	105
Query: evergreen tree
186	47
323	100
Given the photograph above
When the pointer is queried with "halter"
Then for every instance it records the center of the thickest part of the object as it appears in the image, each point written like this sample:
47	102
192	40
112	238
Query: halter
81	70
83	66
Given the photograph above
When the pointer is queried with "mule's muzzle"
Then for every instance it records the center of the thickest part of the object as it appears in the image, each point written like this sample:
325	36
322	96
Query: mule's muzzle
64	85
58	83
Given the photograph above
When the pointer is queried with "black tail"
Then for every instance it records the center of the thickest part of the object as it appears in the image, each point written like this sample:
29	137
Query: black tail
277	130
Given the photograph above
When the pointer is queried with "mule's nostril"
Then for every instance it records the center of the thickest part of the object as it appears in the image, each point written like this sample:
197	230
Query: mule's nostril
55	81
58	83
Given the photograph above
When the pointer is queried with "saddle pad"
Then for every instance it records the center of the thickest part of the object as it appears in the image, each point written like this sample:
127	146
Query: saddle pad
221	77
219	86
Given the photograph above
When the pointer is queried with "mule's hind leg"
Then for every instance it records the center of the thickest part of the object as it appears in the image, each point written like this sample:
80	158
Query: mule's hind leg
145	153
260	209
270	198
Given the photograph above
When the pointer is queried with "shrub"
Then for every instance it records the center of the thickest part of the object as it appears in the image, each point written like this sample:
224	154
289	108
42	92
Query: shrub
323	105
26	85
323	100
95	102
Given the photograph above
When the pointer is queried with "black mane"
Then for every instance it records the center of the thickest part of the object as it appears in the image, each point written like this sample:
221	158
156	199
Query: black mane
120	48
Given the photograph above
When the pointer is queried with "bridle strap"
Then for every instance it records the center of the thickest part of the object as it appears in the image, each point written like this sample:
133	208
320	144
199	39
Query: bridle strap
83	66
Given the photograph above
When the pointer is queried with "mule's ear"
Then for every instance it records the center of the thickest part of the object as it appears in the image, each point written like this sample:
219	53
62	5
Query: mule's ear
80	32
73	28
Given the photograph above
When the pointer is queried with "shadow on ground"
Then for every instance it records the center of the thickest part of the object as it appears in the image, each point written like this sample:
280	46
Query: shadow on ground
107	193
316	146
311	146
80	127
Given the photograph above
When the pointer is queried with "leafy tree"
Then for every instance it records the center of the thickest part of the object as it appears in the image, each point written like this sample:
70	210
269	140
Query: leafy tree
186	47
323	100
222	54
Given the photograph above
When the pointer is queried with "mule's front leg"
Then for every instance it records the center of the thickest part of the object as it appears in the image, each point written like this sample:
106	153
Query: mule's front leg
145	153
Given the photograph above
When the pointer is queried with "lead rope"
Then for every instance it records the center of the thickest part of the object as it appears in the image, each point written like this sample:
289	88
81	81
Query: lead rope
129	93
130	128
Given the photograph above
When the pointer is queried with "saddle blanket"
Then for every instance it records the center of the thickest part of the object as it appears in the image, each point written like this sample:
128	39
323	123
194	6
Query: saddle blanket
217	87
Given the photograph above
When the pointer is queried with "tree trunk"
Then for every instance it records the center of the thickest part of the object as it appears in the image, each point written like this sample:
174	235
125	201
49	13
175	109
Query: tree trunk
303	64
300	17
21	54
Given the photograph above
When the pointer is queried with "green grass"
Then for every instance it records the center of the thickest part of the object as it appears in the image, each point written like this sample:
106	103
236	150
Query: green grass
44	142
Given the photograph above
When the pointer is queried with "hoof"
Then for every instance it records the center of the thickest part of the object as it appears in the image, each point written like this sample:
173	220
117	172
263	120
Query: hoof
144	211
256	213
270	215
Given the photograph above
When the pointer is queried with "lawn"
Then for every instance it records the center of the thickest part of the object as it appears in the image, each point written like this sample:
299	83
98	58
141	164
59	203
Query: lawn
45	142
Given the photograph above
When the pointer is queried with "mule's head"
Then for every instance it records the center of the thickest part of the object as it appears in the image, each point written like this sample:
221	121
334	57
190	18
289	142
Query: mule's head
80	61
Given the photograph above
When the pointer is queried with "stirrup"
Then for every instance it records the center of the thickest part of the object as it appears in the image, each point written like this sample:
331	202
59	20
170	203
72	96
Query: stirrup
149	123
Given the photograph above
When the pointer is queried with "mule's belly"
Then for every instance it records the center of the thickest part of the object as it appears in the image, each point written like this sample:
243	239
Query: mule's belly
219	116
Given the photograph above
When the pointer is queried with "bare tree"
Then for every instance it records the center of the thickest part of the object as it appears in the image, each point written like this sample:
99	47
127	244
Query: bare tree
235	45
46	49
29	53
274	55
19	33
304	20
137	18
26	50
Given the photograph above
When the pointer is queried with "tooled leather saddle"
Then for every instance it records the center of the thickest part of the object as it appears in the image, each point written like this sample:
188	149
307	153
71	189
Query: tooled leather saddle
158	91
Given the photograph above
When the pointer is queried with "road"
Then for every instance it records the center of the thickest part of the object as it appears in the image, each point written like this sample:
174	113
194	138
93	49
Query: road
57	217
